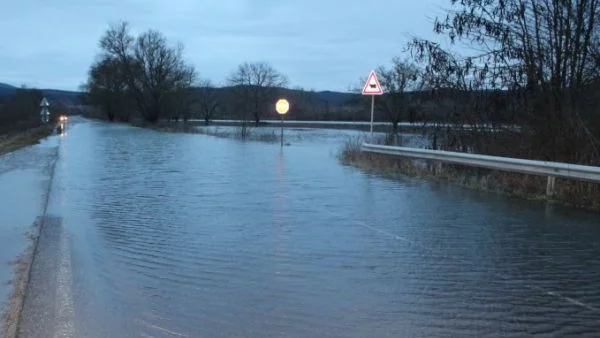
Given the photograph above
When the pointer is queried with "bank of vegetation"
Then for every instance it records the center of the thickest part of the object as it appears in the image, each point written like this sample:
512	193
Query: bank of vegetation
568	192
16	140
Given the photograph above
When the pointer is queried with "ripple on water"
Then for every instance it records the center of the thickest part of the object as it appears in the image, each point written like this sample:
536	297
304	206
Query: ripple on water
199	236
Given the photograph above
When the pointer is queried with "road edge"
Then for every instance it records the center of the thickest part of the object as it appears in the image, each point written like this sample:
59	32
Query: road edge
11	318
25	138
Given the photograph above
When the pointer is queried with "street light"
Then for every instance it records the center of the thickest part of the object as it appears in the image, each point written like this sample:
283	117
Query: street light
282	106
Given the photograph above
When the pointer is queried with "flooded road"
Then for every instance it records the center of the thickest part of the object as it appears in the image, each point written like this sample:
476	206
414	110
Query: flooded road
24	183
175	235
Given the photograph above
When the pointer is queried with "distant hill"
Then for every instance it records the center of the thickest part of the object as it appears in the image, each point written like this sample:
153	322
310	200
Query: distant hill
307	105
5	86
336	98
6	90
65	96
332	98
62	95
328	100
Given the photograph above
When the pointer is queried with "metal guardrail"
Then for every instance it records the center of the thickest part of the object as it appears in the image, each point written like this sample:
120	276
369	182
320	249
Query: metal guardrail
550	169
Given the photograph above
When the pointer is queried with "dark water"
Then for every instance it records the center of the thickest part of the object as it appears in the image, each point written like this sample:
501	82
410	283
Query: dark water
177	235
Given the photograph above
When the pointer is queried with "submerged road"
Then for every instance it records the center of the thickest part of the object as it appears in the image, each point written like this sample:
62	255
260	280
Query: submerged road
173	235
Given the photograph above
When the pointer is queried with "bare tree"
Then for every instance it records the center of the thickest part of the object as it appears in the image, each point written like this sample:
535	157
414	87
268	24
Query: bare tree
180	104
150	71
398	81
539	53
256	86
106	88
207	100
160	72
117	44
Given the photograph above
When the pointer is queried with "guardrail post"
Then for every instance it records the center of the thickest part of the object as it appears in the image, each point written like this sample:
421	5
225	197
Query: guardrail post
550	186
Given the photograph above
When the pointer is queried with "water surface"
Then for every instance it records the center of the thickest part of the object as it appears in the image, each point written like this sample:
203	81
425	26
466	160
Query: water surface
176	235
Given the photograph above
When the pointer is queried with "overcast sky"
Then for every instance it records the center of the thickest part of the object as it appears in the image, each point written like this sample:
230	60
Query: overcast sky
318	44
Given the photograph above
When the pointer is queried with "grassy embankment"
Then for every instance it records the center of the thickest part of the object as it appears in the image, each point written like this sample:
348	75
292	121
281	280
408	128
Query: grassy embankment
12	141
568	192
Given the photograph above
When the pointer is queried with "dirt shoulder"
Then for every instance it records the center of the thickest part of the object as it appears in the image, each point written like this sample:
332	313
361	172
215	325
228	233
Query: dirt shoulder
13	141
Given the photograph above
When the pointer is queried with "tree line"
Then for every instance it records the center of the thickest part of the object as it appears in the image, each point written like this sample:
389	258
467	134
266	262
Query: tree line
148	77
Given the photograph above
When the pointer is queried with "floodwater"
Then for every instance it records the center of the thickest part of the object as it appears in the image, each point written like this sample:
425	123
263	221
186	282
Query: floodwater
316	136
176	235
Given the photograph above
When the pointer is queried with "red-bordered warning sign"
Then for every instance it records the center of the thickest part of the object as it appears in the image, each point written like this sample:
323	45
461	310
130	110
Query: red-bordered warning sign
372	87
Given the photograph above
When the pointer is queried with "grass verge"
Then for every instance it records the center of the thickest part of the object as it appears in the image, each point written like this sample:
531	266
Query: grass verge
568	192
14	141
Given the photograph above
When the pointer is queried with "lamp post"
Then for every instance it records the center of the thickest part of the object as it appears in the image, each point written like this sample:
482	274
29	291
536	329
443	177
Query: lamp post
282	106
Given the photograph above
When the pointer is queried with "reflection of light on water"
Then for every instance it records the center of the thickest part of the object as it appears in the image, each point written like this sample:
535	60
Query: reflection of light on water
63	129
280	202
281	235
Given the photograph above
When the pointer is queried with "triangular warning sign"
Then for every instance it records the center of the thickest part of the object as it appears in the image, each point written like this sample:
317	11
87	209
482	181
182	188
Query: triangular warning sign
372	87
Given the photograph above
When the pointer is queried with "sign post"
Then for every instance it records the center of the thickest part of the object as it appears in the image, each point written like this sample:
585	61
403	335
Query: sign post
45	113
372	87
282	106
